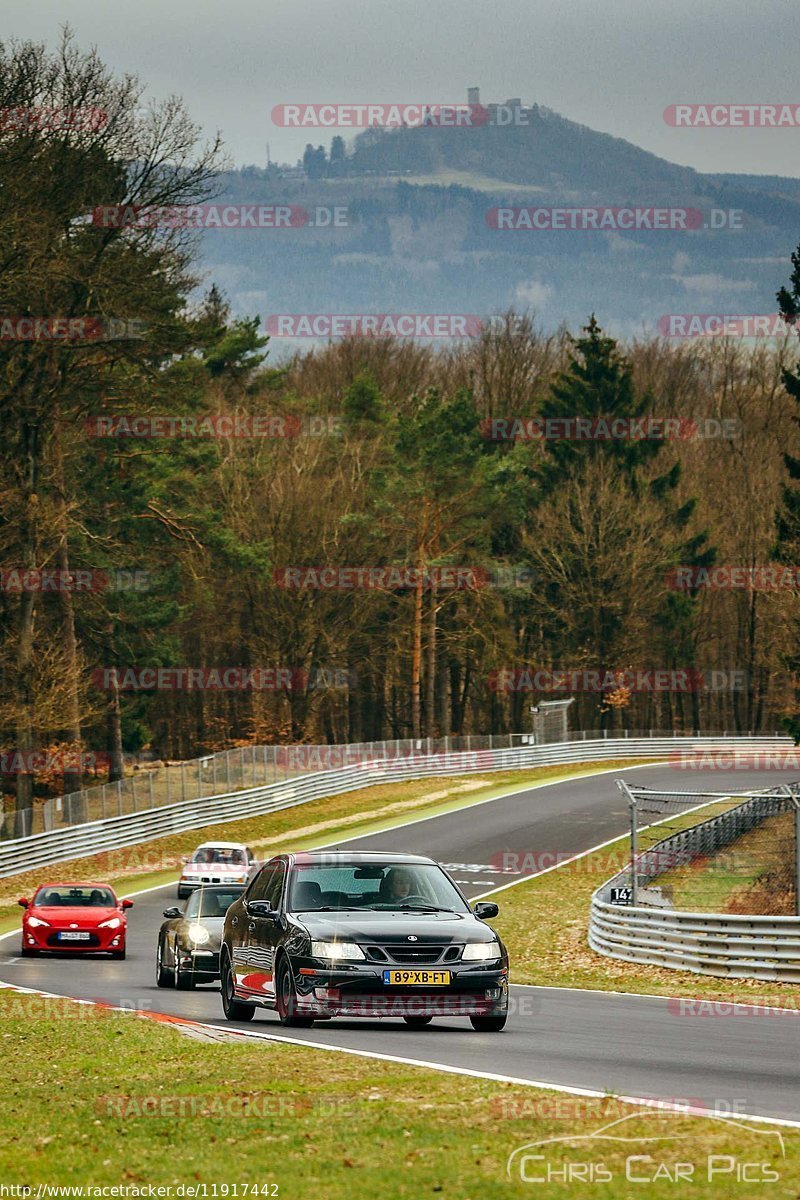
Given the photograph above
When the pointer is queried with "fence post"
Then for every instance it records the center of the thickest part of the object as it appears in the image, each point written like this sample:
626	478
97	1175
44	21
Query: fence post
133	793
119	796
214	775
228	768
623	787
150	788
183	780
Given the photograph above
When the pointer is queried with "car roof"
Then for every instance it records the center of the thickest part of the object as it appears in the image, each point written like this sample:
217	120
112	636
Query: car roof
74	884
222	846
332	857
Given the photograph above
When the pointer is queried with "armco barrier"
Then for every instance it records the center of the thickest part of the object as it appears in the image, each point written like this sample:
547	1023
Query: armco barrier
77	841
722	944
739	947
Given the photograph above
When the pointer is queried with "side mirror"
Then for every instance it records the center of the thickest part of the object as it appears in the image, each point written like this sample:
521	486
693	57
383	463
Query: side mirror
173	912
184	858
126	904
485	909
262	908
24	902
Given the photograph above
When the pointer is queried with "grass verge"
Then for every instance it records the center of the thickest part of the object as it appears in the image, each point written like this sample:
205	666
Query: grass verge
123	1101
544	922
353	814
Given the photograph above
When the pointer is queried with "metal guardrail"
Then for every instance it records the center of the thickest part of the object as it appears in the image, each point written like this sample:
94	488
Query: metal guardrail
156	784
77	841
722	944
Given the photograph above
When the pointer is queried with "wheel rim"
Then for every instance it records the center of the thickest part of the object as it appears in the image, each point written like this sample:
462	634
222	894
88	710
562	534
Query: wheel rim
285	991
227	985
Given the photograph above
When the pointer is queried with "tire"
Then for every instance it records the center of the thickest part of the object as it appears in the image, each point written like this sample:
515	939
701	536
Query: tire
184	980
489	1024
163	974
417	1022
286	999
234	1009
25	952
118	953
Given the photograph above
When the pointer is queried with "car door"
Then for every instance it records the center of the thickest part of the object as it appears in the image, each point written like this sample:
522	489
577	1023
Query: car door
266	931
247	962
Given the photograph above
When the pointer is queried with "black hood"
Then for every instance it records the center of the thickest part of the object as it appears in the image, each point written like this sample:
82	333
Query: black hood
394	927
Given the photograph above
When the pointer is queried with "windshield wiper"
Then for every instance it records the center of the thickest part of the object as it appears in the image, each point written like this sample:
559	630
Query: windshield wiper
421	908
330	908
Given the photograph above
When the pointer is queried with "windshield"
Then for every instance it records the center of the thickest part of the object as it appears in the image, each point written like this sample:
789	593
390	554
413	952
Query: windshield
206	902
373	886
222	855
75	897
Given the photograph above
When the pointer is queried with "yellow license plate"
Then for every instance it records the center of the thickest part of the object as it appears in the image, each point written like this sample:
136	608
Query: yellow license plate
416	978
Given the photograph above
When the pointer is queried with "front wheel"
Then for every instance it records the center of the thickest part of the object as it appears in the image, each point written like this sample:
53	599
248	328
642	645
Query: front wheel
118	953
286	999
489	1024
184	980
163	976
25	952
234	1009
417	1022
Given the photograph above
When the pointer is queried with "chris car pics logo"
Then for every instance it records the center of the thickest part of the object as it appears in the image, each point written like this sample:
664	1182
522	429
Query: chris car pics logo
640	1151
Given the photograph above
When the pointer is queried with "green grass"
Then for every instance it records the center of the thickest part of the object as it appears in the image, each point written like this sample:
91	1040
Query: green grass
544	923
744	876
353	814
102	1099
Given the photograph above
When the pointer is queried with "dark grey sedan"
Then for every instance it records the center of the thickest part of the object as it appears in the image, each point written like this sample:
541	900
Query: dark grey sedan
189	940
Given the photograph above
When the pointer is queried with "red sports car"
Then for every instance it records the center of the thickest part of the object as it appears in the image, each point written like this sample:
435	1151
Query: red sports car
75	916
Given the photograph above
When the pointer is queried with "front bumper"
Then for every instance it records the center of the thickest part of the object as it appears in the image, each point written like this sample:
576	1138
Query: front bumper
100	941
200	962
361	992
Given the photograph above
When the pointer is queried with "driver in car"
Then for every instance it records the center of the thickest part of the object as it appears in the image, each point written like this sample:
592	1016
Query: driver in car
398	885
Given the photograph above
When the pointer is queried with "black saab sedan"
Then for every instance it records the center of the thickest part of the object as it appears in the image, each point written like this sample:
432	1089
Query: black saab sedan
188	941
323	935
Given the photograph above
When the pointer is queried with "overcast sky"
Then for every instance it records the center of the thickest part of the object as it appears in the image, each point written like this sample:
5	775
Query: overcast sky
612	64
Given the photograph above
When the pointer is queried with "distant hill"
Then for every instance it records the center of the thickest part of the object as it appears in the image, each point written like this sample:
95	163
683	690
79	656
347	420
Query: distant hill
417	238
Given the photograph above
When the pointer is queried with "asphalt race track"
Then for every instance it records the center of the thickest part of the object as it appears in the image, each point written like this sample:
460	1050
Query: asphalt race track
629	1045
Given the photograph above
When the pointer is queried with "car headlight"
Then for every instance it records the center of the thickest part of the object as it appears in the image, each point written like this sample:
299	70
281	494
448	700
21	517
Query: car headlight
37	921
336	950
480	951
198	934
111	923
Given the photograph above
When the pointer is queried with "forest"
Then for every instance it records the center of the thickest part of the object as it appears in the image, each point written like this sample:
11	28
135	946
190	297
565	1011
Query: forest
201	547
